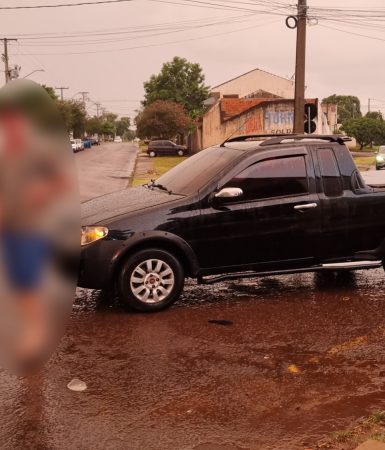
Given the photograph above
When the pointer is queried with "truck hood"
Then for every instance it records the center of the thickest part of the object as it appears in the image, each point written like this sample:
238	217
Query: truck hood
107	207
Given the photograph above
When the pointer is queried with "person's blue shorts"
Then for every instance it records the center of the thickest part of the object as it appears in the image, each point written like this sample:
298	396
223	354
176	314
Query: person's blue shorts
25	256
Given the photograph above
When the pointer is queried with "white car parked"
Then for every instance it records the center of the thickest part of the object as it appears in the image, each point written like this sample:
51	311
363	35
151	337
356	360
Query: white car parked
79	144
74	145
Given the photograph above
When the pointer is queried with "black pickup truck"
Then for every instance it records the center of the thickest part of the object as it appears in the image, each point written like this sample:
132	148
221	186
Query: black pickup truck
253	206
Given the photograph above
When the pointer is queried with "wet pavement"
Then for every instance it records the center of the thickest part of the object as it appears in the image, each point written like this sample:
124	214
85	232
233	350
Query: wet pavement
273	363
105	168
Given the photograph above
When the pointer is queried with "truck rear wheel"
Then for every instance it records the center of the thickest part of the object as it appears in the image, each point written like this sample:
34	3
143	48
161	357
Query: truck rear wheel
151	280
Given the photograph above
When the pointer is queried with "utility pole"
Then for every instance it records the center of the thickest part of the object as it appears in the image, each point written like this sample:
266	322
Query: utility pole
369	104
6	58
84	95
299	101
61	89
98	105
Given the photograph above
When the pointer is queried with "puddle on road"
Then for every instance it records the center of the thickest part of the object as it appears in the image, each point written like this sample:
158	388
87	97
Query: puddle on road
303	357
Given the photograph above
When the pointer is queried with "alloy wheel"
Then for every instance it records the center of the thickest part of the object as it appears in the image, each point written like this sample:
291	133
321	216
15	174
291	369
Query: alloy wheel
152	281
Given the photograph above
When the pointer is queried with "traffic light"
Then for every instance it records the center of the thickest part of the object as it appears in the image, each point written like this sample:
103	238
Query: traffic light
310	114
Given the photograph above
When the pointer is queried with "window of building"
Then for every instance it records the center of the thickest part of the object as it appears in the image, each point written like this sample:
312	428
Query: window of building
279	177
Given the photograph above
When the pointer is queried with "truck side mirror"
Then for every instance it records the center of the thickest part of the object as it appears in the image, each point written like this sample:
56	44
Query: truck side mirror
229	192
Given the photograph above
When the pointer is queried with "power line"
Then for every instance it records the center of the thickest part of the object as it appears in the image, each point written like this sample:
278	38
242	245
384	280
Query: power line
353	33
129	38
152	45
149	27
219	6
64	5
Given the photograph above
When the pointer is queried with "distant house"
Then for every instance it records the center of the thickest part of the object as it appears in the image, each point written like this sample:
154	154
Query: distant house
255	83
256	102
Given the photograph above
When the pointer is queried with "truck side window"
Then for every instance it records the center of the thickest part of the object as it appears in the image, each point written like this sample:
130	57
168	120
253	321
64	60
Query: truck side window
280	177
331	178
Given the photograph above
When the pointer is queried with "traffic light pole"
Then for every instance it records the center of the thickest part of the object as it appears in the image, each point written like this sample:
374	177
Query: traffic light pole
299	102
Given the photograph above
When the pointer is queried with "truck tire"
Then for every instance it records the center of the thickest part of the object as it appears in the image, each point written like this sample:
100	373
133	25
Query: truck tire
180	152
150	280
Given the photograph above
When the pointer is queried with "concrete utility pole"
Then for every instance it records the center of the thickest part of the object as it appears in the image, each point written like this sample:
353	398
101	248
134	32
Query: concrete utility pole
299	102
84	95
6	58
369	104
61	89
98	105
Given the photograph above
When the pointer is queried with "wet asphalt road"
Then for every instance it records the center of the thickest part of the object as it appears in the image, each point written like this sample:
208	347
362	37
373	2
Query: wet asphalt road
274	363
105	168
295	358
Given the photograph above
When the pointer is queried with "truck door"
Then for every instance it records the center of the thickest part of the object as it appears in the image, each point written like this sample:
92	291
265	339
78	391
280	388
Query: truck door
276	219
334	205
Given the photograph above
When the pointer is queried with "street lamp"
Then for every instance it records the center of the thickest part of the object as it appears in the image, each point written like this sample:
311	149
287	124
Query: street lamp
37	70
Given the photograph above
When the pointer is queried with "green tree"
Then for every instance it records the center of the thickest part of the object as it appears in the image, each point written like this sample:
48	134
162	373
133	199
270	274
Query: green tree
94	125
181	82
74	116
365	130
109	123
374	115
349	106
162	119
123	126
51	91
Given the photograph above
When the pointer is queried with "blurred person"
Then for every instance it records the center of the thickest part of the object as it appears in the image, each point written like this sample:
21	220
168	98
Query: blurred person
35	179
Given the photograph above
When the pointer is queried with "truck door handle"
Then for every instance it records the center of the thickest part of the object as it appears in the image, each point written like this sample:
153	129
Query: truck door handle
305	206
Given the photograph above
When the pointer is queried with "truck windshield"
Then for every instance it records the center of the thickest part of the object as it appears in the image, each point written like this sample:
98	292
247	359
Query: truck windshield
195	172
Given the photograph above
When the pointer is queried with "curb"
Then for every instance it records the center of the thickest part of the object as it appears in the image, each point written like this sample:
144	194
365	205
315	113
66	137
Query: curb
132	174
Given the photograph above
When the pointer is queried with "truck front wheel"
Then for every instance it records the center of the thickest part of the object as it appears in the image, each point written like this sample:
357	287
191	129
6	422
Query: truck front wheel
151	280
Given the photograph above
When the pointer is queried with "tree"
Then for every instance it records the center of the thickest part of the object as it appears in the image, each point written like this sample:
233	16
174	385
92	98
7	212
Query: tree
365	130
181	82
123	126
375	115
109	124
74	116
162	119
51	91
94	125
349	106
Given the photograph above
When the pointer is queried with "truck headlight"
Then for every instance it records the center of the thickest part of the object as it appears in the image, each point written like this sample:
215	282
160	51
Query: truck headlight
380	158
92	234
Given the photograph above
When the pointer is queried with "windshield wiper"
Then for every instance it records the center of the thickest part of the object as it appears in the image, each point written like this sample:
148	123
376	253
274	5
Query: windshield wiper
154	184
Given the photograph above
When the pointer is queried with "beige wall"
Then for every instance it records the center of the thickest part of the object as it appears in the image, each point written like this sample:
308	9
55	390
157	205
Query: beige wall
257	80
331	113
273	118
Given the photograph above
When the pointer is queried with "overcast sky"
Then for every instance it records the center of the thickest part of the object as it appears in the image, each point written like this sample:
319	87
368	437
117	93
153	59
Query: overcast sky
225	42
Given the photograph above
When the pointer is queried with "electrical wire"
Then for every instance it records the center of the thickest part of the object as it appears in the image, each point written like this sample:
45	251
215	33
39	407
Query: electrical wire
64	5
154	44
135	37
353	33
